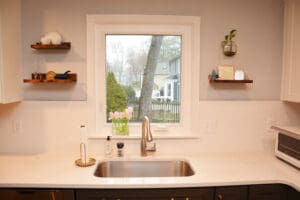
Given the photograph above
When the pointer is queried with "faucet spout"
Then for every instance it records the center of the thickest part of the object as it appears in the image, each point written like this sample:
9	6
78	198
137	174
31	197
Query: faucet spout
146	129
146	137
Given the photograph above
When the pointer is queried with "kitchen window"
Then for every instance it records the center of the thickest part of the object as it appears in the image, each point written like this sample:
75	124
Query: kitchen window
133	74
118	46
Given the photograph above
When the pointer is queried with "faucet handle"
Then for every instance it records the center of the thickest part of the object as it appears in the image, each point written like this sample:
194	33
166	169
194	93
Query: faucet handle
151	148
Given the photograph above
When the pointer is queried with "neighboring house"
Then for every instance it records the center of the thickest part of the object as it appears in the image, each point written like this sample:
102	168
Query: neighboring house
161	74
171	88
166	81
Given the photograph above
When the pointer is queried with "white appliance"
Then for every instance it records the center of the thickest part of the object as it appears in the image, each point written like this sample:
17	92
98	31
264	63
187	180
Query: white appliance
287	145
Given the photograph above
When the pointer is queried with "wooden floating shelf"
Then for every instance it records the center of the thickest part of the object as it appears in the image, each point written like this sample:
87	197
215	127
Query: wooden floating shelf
63	45
72	78
228	81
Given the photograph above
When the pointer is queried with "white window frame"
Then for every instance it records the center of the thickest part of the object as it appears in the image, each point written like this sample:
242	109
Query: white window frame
100	25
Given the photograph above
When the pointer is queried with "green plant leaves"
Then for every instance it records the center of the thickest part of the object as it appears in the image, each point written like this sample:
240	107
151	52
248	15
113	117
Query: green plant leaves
232	32
231	35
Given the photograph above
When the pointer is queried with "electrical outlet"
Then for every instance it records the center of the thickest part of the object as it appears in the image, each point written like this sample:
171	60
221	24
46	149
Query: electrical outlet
17	126
212	126
208	126
269	123
203	126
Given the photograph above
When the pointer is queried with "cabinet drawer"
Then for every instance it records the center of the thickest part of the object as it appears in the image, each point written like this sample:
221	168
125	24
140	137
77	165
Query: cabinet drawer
268	192
231	193
293	194
147	194
36	194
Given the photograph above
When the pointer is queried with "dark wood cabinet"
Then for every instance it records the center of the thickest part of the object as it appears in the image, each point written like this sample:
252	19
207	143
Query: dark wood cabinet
244	192
231	193
292	194
147	194
268	192
36	194
252	192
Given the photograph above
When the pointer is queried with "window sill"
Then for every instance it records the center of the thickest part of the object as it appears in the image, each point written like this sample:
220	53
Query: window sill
137	137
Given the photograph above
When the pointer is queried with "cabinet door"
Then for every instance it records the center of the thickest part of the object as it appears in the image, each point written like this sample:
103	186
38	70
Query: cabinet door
28	194
268	192
192	194
147	194
293	194
291	52
231	193
10	51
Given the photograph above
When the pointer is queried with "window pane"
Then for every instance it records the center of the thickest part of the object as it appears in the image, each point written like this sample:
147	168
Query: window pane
143	72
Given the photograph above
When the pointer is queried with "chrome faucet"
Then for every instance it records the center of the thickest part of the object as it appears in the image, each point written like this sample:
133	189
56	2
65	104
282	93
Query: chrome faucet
146	137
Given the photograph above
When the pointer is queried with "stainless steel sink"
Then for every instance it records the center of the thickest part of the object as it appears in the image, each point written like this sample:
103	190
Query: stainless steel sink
157	168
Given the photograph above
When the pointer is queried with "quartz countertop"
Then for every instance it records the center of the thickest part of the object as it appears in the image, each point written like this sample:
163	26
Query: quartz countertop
211	169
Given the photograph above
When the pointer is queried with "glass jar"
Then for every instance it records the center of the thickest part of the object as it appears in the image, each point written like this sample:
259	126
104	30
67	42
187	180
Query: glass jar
120	127
229	48
108	149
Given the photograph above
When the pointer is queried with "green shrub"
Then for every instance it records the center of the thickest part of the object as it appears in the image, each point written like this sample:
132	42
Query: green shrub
116	98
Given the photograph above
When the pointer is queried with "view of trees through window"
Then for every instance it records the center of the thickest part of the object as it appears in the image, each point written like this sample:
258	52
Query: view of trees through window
144	72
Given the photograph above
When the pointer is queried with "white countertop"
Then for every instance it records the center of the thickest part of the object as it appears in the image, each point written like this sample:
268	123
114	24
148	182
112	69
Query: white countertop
211	169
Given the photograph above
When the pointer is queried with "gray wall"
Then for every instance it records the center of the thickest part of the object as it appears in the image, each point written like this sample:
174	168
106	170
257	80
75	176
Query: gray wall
259	25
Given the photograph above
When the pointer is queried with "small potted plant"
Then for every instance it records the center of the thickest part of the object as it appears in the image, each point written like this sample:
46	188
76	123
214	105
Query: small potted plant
229	46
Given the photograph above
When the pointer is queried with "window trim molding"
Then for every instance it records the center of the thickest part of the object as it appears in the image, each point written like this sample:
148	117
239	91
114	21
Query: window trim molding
189	27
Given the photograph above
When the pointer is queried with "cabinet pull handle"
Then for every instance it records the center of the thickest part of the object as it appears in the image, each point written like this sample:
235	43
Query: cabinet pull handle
186	198
220	197
172	198
52	195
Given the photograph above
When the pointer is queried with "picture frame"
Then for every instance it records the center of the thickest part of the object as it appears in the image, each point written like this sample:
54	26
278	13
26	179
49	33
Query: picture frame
226	72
